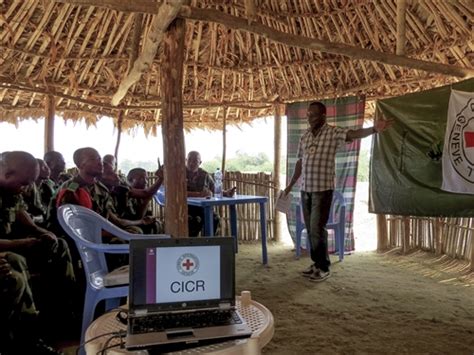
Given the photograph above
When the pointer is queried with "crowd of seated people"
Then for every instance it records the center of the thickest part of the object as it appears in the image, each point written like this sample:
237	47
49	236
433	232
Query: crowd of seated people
40	270
41	277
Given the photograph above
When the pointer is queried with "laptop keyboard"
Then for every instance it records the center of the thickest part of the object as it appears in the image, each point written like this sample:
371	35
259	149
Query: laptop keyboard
199	319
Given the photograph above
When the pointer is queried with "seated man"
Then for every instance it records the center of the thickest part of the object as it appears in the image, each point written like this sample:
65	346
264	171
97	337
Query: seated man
138	180
38	196
19	319
85	190
57	166
199	184
124	198
45	254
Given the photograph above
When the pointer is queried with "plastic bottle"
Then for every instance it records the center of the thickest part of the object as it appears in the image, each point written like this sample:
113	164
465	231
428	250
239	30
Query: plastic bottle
218	184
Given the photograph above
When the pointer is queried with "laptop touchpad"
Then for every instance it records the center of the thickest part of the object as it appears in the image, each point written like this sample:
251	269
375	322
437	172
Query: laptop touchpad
179	333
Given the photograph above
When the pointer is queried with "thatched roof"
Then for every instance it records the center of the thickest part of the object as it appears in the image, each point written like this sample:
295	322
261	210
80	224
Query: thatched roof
240	56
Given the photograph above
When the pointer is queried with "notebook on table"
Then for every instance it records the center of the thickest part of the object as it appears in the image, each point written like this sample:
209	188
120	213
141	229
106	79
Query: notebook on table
182	293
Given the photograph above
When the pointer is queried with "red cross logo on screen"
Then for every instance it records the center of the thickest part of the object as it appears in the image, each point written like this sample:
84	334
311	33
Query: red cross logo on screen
187	264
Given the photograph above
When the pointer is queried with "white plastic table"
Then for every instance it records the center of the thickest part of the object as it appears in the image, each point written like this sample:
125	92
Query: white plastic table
258	317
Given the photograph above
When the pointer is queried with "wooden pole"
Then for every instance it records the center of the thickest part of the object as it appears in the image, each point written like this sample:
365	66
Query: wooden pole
276	165
119	134
406	235
50	104
176	211
224	140
382	239
159	23
401	26
135	47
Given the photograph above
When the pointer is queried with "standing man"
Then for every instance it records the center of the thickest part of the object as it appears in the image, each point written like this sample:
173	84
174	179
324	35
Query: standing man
316	162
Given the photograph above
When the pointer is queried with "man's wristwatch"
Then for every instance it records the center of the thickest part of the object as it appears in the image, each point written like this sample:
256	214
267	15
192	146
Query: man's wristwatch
374	130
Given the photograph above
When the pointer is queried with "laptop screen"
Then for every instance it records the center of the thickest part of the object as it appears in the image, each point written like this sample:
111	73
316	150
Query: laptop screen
181	273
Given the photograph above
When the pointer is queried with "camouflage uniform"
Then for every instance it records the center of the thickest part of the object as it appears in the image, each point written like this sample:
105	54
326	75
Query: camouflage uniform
52	263
102	203
127	207
197	182
17	306
38	198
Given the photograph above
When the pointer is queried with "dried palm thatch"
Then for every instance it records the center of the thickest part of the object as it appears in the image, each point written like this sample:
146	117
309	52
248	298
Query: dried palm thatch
240	56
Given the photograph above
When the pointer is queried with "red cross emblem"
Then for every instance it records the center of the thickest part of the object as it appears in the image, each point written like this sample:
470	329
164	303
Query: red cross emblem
188	264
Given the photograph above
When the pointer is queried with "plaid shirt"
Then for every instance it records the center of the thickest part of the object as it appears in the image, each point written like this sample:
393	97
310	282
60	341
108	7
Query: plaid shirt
319	155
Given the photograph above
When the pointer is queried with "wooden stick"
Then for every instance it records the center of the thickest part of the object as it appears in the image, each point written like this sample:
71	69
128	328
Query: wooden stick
401	37
224	140
119	134
160	22
50	104
381	232
276	165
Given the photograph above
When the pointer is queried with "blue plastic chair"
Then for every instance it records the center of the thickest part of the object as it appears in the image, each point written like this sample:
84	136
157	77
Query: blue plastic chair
336	222
85	227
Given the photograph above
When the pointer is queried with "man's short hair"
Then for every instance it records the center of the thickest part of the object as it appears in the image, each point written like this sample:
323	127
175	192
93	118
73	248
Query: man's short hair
14	159
133	172
78	155
108	157
193	152
321	106
51	155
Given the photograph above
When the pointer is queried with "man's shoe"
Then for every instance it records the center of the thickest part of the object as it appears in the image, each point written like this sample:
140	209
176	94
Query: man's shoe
309	271
319	275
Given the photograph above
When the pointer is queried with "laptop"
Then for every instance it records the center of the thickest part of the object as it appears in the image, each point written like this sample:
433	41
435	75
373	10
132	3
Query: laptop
182	293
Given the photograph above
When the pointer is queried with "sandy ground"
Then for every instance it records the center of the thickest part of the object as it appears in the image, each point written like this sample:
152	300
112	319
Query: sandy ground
372	303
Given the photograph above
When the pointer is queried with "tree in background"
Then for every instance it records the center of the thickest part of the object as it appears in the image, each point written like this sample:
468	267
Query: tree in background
243	162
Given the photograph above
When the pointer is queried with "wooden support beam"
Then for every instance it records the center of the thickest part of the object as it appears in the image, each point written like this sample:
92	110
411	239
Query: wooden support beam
438	235
250	10
406	235
276	164
119	134
224	140
239	23
176	211
50	105
160	22
401	26
135	47
382	237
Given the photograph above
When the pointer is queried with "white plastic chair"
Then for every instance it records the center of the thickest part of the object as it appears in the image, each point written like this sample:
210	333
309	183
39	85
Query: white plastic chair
85	227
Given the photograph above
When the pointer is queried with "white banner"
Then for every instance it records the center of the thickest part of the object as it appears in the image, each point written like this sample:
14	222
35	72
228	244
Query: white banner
458	152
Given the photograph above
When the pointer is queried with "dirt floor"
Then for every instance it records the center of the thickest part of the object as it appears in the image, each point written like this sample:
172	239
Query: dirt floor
372	303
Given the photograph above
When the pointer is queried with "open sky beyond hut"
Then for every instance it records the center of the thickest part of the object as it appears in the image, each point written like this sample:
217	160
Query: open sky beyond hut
252	139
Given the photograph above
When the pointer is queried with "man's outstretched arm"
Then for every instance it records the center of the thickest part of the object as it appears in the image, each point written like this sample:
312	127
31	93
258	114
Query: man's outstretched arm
380	125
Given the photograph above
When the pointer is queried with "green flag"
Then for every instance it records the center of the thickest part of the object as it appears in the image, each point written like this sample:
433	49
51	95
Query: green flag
406	165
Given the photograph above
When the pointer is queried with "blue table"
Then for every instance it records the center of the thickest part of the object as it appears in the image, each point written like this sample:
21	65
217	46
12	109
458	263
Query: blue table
208	203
